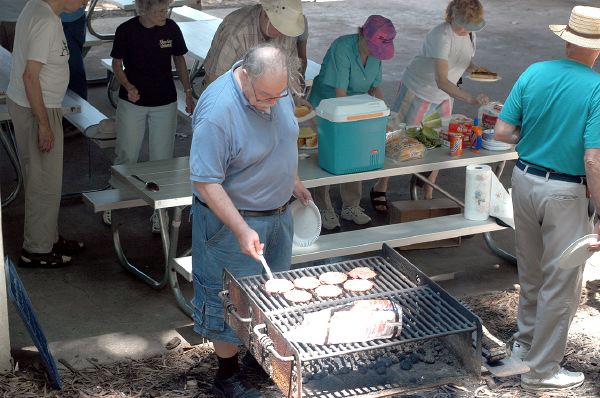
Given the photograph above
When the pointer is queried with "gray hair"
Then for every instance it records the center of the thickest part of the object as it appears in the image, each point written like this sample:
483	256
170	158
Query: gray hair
272	59
143	6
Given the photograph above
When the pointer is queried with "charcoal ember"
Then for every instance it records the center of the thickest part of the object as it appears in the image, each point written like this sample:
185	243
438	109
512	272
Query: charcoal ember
362	368
381	370
306	379
406	364
424	355
394	360
413	358
380	363
321	374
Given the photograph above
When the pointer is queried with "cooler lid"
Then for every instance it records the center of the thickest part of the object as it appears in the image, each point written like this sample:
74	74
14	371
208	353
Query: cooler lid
352	108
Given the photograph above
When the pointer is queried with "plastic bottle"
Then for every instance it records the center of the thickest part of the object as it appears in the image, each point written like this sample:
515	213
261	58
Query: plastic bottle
476	137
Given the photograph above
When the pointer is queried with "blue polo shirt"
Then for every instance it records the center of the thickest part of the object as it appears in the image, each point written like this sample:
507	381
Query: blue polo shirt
557	105
342	68
252	154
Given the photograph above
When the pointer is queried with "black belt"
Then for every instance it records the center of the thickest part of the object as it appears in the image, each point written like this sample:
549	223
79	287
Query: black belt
549	174
253	213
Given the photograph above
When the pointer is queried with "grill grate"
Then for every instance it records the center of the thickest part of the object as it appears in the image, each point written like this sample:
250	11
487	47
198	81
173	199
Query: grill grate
425	314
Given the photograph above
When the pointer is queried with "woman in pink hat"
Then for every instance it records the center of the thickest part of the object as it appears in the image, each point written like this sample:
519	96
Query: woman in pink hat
428	83
352	66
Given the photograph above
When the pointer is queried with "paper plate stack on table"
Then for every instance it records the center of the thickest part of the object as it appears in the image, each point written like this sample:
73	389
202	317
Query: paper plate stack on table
491	144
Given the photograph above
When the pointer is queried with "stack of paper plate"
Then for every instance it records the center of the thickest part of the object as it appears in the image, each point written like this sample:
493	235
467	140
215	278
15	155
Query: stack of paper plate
493	145
307	223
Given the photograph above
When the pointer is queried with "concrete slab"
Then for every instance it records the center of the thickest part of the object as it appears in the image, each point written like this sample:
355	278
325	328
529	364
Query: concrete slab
94	309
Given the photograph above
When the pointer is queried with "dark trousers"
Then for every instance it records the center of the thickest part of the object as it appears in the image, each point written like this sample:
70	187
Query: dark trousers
75	34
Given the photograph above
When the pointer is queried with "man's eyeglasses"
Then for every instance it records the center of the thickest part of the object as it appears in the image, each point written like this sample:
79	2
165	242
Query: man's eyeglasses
283	94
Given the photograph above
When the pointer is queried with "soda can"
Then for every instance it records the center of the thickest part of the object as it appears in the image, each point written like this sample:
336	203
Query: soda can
456	141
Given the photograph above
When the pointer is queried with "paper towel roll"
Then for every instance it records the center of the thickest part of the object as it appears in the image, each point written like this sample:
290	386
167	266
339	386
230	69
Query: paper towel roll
478	186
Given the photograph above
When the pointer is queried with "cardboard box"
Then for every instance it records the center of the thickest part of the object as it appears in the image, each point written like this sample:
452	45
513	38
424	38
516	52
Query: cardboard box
414	210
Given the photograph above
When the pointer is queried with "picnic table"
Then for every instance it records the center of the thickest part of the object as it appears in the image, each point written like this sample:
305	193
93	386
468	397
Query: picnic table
175	193
125	5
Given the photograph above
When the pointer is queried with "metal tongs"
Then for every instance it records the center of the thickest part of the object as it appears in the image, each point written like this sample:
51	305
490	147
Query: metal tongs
261	257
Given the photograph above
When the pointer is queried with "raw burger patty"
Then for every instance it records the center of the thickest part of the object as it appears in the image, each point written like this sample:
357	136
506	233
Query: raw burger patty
358	285
333	278
278	286
297	296
328	291
306	282
362	273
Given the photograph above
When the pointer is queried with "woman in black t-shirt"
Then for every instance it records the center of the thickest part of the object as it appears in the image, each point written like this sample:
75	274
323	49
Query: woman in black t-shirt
142	53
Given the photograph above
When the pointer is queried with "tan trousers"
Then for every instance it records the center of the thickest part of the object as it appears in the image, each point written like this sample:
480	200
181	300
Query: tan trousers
350	192
549	216
42	176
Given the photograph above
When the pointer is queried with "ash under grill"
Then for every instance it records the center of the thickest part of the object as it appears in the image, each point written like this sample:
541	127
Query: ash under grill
436	330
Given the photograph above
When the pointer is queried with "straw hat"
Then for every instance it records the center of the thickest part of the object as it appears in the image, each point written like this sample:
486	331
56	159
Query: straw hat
285	16
583	29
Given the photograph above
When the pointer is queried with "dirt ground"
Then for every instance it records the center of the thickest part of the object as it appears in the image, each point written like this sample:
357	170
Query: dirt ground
187	372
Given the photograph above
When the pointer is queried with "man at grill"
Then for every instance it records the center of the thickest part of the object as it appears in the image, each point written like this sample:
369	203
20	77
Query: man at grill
243	165
553	115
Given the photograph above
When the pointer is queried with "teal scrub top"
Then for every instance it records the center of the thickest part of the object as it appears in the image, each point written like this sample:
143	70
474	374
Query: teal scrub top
342	68
557	105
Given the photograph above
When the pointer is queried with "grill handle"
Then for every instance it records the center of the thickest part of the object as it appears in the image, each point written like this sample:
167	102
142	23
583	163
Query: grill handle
224	296
267	344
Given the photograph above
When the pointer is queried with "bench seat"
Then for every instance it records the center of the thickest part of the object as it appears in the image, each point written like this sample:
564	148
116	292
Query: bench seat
371	239
112	199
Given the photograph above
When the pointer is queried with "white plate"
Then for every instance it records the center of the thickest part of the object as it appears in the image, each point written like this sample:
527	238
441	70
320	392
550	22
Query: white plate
307	223
308	147
476	79
306	117
495	145
578	253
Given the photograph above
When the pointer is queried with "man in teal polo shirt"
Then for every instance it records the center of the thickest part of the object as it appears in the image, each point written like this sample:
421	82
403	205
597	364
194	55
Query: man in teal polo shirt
553	115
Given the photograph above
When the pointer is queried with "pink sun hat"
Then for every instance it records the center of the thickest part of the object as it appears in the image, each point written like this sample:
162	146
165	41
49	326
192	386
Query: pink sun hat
379	33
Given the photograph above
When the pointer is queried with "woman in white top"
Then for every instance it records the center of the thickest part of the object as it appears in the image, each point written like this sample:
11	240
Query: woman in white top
429	82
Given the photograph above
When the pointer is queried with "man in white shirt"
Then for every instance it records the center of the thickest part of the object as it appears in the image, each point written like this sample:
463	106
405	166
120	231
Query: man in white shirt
38	82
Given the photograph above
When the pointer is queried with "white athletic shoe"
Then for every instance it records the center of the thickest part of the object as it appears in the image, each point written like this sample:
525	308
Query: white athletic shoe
519	350
155	219
107	217
562	380
329	220
355	214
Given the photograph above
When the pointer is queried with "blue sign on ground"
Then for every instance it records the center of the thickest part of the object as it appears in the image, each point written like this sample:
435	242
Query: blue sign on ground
18	296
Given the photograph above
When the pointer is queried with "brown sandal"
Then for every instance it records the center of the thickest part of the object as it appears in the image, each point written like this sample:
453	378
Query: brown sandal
379	200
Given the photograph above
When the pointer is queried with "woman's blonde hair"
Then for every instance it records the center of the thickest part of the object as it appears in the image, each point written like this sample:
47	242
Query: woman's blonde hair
471	11
143	6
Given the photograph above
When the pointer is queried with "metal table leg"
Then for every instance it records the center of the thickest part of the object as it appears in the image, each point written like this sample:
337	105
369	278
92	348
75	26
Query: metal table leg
488	235
182	301
7	138
129	266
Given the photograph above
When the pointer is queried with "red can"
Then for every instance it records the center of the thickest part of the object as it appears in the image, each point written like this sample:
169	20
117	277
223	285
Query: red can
456	141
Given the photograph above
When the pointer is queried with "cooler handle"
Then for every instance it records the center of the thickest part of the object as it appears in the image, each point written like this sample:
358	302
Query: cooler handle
267	344
224	296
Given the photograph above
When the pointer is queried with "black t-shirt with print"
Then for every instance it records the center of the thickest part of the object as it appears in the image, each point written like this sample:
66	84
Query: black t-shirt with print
146	55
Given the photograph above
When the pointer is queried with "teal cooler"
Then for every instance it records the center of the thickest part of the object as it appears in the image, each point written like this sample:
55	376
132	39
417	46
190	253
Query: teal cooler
351	133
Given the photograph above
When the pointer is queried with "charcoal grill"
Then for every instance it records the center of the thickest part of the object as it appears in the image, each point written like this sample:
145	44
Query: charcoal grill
434	326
